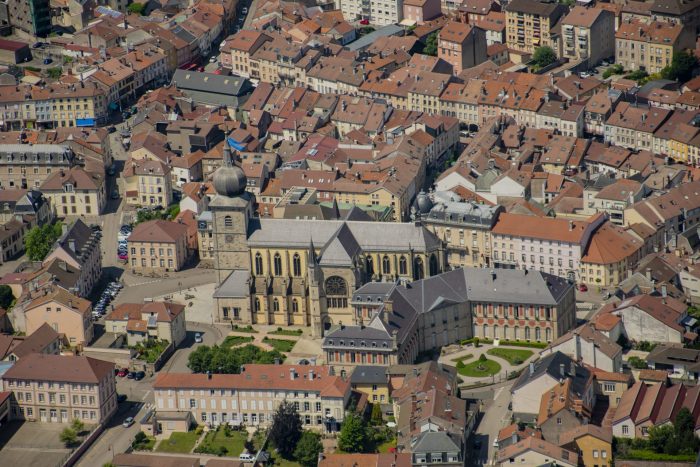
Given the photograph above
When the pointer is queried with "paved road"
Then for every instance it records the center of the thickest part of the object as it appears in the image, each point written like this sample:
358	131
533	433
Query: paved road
495	417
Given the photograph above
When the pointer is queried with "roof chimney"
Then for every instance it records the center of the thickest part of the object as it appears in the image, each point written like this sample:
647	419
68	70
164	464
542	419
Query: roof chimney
292	374
571	226
311	375
562	370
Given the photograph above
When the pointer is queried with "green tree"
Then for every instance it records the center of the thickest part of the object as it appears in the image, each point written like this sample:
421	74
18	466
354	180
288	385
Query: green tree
285	431
544	56
136	8
308	448
431	44
221	359
39	240
376	414
68	437
6	297
659	437
353	434
77	425
681	67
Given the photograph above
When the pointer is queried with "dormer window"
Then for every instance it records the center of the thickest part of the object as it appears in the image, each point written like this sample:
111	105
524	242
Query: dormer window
68	188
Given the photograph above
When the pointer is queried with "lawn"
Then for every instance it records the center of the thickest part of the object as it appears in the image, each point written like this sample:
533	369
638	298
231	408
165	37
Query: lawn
386	445
180	443
146	445
287	332
513	356
150	350
280	345
232	341
248	328
478	368
234	442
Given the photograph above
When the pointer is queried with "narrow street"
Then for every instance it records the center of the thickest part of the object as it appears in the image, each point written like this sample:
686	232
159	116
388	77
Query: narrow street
495	417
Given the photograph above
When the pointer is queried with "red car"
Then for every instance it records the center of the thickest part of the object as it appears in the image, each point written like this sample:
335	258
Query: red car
364	22
123	372
583	288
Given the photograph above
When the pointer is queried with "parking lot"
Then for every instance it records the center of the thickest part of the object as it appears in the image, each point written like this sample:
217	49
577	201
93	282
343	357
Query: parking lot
35	444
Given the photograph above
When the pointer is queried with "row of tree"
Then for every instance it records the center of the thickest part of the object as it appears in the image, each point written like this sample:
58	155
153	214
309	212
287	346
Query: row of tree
227	360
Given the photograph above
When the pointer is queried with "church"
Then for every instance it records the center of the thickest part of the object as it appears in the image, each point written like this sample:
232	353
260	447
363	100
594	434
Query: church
292	272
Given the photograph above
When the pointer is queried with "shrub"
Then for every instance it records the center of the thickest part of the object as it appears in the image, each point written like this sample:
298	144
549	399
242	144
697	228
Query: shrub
482	357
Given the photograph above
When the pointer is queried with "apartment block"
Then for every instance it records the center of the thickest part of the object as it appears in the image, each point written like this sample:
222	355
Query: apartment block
377	12
650	46
28	166
530	24
58	389
462	45
588	34
252	397
158	247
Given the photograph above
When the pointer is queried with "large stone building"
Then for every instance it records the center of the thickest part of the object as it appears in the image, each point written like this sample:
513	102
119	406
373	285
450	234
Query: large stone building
29	165
303	272
393	323
531	24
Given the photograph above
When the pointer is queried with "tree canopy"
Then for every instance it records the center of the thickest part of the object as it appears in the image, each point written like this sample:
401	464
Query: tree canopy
431	44
308	448
220	359
285	431
544	56
353	434
6	296
39	240
681	67
136	8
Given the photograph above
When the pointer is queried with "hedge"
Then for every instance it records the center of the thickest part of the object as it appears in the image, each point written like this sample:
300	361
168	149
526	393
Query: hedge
648	455
518	343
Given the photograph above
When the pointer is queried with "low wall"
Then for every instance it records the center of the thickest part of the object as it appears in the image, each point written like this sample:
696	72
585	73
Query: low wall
120	357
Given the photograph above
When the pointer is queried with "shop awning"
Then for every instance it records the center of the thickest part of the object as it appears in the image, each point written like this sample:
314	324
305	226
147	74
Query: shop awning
85	122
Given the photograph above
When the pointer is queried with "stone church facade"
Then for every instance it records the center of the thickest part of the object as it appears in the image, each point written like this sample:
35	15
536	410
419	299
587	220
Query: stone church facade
290	272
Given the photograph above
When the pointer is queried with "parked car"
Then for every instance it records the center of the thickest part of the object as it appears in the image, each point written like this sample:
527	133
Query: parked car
48	60
122	256
212	60
585	74
244	11
115	193
111	170
37	45
364	22
128	422
246	457
131	375
123	372
139	375
121	398
198	338
583	288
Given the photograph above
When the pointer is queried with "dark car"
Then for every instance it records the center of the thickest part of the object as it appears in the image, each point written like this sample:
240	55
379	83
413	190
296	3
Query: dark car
131	375
112	129
47	61
37	45
121	398
140	375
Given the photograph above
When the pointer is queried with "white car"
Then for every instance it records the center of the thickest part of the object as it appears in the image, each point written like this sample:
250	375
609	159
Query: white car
247	457
128	422
212	60
198	338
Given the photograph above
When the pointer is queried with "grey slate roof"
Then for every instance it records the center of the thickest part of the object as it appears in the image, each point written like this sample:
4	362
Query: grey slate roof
373	292
365	41
434	441
84	239
551	364
235	285
370	236
212	89
368	374
342	248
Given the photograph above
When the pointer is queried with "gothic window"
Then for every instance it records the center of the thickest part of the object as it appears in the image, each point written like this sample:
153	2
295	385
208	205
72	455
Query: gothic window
336	292
258	264
257	304
295	306
228	222
386	268
278	264
433	265
418	272
275	305
403	270
370	265
296	265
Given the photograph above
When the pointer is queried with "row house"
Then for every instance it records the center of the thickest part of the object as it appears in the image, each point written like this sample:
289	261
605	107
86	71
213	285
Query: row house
252	397
633	126
548	244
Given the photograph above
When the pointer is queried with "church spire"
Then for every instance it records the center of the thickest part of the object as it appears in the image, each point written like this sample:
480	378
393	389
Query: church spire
228	155
312	253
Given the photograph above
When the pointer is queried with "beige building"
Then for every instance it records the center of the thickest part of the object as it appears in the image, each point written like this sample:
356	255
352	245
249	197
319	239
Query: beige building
650	47
158	247
148	183
242	45
588	34
64	312
530	24
28	166
150	320
58	389
252	397
75	192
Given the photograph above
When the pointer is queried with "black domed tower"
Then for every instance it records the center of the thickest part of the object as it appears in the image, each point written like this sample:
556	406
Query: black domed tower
231	209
